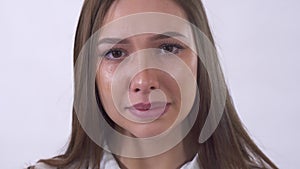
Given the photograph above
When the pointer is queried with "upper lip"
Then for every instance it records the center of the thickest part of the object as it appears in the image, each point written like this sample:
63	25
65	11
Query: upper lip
144	106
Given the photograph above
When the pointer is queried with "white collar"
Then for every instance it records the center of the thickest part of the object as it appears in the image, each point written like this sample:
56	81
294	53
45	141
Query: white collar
109	162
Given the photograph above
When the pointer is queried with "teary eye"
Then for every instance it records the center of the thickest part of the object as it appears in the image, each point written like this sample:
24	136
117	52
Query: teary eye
114	54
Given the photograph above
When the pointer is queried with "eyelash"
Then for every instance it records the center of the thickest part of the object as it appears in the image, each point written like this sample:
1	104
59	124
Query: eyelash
178	47
113	50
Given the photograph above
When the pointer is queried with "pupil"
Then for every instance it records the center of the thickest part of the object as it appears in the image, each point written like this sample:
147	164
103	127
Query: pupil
117	54
169	48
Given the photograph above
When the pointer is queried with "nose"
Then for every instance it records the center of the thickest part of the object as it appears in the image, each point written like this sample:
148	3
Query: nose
144	82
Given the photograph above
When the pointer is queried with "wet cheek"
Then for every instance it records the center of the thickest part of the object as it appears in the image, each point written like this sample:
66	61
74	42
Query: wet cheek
105	74
107	70
104	79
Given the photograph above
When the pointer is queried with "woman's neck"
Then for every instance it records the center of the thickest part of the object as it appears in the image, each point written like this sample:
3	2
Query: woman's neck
172	159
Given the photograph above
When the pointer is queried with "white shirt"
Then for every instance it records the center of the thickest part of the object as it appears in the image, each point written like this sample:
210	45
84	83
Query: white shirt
109	162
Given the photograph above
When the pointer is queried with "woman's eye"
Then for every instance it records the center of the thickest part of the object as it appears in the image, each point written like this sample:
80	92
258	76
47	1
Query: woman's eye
170	48
115	54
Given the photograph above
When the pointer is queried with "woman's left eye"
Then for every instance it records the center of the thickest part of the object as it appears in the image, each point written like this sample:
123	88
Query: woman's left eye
170	48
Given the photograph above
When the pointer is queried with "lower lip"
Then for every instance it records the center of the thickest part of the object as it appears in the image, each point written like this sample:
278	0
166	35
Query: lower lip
151	113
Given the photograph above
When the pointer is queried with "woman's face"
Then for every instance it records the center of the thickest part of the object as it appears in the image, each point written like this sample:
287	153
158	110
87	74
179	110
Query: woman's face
146	117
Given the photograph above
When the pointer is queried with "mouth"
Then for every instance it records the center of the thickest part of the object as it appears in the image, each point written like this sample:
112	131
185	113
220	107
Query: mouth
148	110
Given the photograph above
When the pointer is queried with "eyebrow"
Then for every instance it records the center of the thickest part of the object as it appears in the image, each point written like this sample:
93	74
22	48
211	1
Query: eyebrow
165	35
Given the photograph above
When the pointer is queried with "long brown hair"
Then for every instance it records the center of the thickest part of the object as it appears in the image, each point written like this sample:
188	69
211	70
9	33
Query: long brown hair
229	147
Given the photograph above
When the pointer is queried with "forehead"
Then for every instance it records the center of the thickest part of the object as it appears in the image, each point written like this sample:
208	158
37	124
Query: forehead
128	18
121	8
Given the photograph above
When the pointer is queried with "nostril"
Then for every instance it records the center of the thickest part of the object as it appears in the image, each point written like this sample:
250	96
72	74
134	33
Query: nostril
152	87
138	89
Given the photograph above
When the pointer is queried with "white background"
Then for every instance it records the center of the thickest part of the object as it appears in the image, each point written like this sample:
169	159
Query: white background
259	49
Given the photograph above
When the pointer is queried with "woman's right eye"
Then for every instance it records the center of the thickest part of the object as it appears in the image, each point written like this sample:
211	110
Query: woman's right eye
114	54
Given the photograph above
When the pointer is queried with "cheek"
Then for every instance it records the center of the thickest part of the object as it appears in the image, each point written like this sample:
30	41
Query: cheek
105	74
104	79
170	85
193	64
190	60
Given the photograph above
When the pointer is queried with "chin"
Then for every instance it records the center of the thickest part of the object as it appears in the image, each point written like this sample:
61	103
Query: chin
147	130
